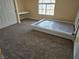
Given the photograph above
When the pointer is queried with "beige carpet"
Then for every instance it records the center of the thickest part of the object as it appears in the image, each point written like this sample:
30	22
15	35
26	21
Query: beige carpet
19	41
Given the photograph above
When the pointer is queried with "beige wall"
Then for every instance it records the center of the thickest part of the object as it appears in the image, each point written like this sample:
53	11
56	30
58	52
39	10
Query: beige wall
64	10
20	5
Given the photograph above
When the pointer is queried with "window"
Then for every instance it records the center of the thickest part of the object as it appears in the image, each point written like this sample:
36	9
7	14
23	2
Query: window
46	7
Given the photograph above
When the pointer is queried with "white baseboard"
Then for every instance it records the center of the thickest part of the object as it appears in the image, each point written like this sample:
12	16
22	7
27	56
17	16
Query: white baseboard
34	18
7	25
54	19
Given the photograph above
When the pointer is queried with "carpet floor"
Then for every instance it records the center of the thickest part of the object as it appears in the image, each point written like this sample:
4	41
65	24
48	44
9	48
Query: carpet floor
19	41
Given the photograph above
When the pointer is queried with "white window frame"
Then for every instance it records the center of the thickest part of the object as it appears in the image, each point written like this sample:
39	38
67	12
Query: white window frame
53	10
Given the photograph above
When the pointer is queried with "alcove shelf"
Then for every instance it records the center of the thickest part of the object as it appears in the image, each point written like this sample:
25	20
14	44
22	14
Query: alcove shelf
24	12
21	15
20	10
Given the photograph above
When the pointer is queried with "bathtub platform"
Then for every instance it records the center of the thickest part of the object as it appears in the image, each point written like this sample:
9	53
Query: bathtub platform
61	29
